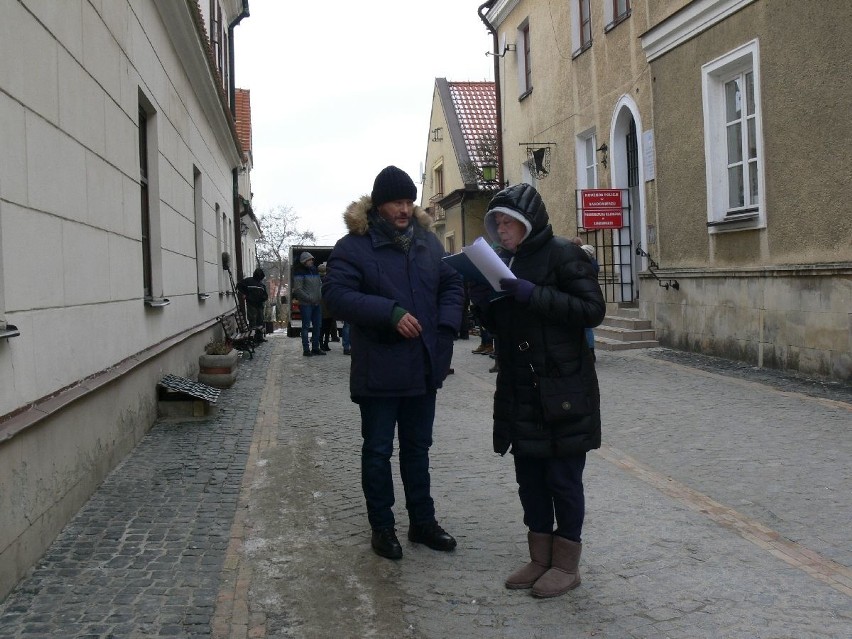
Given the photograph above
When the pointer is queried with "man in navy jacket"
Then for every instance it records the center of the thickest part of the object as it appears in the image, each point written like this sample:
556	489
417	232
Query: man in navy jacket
386	279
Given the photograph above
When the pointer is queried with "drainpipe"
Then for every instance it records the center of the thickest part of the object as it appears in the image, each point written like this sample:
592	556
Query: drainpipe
483	9
235	172
244	13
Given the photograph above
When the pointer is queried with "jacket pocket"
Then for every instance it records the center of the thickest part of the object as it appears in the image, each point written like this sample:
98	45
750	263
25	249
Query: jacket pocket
564	398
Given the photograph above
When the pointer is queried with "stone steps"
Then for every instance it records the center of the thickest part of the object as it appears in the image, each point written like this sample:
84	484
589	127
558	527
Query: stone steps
623	328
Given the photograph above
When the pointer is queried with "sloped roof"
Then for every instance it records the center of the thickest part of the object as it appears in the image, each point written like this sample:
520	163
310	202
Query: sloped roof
471	114
242	104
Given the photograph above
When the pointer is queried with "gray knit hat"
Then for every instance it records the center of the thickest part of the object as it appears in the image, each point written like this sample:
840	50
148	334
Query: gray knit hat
304	257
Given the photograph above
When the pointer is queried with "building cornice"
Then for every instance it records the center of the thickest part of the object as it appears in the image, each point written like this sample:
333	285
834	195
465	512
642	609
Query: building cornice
181	26
500	11
683	25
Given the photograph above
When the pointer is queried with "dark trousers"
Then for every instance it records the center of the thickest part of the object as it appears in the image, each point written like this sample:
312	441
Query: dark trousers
549	487
413	418
311	321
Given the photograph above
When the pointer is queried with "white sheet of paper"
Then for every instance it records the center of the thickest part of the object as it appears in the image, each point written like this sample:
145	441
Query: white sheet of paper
488	262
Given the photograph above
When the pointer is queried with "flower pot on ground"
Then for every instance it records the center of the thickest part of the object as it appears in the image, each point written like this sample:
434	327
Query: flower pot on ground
218	365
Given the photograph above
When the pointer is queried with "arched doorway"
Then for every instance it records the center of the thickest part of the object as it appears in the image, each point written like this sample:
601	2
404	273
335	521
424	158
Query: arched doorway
627	172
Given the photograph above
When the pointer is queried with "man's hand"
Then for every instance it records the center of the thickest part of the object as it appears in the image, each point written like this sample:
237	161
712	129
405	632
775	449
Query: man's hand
408	326
479	293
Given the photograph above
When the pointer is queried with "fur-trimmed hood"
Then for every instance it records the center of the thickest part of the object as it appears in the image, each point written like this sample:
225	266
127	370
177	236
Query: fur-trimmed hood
356	216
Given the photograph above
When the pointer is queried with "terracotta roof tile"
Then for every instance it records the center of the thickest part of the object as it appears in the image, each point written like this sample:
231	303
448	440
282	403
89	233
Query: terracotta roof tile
474	103
242	100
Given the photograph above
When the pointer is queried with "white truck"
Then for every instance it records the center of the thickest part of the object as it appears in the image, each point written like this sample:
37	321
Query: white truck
321	254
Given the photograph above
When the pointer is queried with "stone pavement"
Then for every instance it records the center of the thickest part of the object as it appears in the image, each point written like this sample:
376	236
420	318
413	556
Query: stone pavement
718	507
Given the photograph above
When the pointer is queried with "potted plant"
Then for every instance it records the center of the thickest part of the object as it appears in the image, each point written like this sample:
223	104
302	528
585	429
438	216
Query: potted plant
218	365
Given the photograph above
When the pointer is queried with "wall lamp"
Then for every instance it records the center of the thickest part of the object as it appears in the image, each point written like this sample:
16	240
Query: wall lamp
489	172
604	150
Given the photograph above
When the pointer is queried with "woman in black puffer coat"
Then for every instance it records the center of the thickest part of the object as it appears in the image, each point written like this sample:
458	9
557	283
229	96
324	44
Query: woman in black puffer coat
539	327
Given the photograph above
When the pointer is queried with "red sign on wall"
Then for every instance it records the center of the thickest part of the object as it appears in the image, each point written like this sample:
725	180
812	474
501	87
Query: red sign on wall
602	208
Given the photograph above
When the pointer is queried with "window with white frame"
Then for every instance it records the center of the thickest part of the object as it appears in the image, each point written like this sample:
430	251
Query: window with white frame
587	164
733	140
581	26
615	11
524	61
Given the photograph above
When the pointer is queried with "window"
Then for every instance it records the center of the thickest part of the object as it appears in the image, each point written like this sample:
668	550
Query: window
584	23
616	11
451	243
733	140
523	53
439	180
527	85
198	210
145	203
587	165
220	248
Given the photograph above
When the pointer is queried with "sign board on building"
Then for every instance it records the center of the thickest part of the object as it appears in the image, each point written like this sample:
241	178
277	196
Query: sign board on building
602	208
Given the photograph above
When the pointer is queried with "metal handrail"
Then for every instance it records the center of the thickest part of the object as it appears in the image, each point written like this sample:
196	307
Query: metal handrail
667	284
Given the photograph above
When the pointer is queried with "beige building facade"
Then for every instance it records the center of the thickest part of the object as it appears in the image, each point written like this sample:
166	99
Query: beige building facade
746	257
753	188
576	114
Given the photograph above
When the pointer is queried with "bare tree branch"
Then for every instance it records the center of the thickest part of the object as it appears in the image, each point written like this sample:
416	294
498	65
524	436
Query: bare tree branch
280	228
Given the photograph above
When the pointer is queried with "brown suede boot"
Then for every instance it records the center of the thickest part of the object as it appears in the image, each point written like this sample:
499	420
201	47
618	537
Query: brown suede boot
564	573
540	548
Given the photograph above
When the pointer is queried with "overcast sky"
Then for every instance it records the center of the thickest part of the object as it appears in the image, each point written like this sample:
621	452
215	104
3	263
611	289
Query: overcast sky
341	89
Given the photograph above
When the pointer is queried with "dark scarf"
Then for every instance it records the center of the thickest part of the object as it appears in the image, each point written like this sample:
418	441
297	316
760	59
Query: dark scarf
400	239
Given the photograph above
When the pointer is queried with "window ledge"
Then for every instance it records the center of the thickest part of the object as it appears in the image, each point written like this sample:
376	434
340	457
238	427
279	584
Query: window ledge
525	95
736	222
157	302
581	50
612	25
10	331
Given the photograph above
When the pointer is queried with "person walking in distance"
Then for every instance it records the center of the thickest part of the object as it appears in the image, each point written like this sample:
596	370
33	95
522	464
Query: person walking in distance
386	279
307	288
547	402
254	291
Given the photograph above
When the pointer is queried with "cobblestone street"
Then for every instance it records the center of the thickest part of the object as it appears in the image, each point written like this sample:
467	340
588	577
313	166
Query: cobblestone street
718	507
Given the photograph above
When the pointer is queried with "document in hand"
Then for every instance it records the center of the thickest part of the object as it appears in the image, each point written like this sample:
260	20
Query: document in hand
479	262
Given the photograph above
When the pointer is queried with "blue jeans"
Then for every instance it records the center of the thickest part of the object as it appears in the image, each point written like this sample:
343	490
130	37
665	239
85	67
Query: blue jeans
590	337
380	417
344	336
552	486
311	317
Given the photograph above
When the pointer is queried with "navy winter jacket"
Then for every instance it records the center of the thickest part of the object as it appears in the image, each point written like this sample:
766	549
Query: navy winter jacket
367	277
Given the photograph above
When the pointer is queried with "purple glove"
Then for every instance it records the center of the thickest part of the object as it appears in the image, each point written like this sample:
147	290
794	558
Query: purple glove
521	289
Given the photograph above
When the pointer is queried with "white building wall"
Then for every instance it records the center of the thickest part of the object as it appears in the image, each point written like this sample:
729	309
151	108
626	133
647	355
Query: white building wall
72	74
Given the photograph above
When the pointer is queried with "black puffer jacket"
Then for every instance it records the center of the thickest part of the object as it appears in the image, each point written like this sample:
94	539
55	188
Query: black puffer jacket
544	337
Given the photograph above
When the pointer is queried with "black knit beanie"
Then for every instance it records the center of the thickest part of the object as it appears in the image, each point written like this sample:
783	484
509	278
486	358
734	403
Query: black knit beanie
393	184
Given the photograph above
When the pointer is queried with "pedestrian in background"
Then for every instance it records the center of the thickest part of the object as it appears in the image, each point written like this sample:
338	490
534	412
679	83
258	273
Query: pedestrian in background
329	324
546	404
254	292
307	288
590	332
404	304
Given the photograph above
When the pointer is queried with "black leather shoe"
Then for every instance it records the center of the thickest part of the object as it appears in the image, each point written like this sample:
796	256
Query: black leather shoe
385	543
317	352
307	353
432	535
